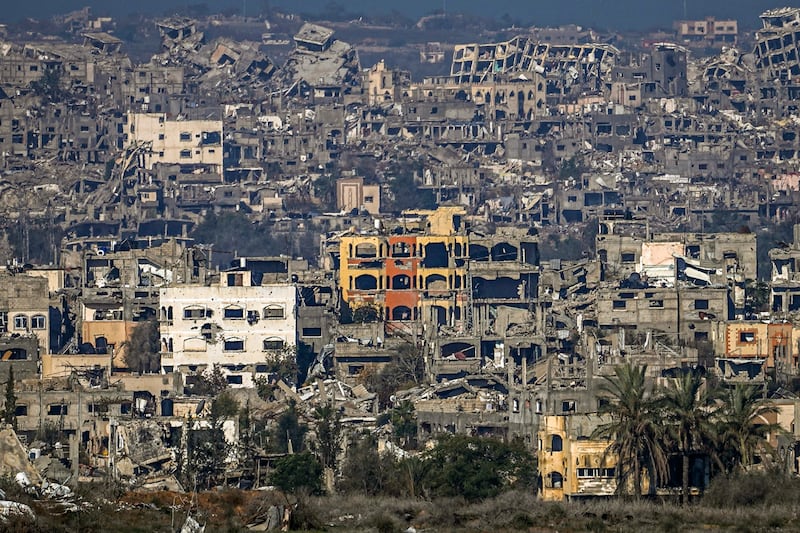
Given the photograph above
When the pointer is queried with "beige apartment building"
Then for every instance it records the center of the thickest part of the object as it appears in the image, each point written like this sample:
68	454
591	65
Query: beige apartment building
172	141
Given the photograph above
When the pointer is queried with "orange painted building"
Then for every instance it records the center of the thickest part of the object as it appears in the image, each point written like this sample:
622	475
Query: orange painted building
412	275
759	340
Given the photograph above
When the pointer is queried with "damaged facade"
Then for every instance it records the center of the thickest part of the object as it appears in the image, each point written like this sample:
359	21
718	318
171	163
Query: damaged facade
643	174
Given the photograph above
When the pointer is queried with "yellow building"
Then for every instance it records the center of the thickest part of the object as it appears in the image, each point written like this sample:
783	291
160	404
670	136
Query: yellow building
571	463
416	274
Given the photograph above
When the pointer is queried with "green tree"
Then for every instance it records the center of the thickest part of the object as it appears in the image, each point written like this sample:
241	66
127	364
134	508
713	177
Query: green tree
142	350
325	191
742	428
365	314
365	471
635	428
404	422
288	429
688	414
329	434
405	194
406	370
10	409
208	450
300	471
211	382
475	467
223	407
756	296
206	453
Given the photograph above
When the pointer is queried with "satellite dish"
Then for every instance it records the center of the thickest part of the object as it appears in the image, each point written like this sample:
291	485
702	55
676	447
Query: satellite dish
200	407
392	398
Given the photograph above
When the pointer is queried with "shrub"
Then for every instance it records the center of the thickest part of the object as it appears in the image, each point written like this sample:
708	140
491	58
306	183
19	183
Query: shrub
296	472
475	468
752	488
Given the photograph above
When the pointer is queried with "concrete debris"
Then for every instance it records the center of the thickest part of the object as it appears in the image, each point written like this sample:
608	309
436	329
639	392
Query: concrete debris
277	519
192	526
492	239
9	509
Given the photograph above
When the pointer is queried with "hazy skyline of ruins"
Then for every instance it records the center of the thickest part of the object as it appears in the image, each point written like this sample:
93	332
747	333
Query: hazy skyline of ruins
612	14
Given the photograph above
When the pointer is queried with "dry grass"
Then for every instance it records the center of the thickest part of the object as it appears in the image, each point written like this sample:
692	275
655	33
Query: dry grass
517	511
773	508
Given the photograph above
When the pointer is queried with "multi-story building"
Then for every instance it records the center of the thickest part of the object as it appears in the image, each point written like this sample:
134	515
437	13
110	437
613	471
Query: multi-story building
785	292
710	30
468	292
663	258
688	313
776	50
186	142
409	275
572	463
234	324
352	193
25	307
744	349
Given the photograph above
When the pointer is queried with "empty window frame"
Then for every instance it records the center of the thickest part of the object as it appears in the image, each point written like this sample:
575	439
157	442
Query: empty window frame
234	312
273	343
274	312
233	345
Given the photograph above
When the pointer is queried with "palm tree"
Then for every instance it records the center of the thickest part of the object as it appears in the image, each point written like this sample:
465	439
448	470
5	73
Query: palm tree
634	429
740	430
687	409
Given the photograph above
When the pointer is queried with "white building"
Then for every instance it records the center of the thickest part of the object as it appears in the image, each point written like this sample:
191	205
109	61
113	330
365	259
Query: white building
233	324
185	142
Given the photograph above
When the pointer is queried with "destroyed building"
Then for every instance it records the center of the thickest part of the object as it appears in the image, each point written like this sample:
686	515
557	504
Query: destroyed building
777	44
320	68
785	277
554	134
563	66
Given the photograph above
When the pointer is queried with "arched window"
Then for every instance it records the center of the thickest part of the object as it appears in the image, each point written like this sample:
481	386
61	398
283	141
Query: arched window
365	282
504	251
273	343
101	344
234	312
233	344
274	312
20	322
478	252
195	344
38	322
401	281
556	444
401	249
195	312
555	480
401	312
436	282
366	249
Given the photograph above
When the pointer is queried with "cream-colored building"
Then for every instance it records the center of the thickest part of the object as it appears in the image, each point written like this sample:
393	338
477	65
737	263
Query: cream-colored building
184	142
25	307
233	324
352	193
